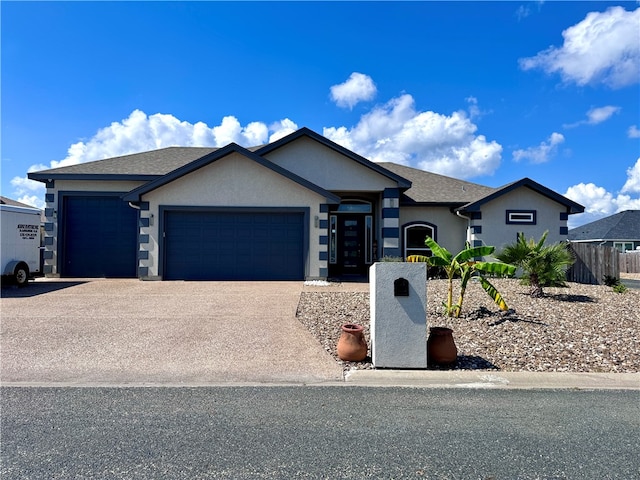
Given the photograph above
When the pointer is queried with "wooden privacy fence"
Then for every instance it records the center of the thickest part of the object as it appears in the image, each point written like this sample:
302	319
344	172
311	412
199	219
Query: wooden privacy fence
593	263
630	262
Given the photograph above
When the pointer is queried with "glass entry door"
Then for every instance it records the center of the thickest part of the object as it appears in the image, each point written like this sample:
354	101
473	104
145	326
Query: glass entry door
351	244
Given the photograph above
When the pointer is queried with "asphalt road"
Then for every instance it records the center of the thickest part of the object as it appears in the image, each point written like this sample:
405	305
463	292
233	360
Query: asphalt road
318	432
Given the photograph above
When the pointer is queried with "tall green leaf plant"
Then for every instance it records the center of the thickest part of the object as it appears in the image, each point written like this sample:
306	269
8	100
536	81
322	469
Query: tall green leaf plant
542	265
464	265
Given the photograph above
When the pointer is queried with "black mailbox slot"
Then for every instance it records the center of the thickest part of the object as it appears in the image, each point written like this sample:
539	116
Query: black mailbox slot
401	287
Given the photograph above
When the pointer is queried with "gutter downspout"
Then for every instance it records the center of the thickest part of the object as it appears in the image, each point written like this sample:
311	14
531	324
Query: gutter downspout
137	207
468	225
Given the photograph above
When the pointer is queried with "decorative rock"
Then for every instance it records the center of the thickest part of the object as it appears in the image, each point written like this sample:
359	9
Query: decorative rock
533	338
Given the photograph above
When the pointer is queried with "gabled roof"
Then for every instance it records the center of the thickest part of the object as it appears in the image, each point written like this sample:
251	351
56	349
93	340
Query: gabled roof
418	187
433	189
135	194
403	183
156	163
572	207
621	226
137	166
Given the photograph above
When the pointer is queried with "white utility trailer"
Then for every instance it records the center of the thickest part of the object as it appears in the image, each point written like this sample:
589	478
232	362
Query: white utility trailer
20	243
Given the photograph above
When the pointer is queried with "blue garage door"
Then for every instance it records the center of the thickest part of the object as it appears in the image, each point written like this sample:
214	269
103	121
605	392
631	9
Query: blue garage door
209	245
99	237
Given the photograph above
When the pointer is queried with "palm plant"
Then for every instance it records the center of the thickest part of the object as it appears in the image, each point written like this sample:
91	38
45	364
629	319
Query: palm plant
465	265
542	266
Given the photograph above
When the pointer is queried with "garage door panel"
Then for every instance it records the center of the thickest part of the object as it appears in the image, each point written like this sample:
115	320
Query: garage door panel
234	245
99	237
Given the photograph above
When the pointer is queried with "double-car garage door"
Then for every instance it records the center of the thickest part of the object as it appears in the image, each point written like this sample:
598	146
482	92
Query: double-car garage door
233	245
100	239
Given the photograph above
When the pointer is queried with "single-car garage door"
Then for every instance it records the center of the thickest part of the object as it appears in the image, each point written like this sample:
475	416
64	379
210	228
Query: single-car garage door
99	237
233	245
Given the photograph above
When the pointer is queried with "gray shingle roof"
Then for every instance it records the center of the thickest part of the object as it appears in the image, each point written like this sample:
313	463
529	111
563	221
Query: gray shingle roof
155	162
430	187
425	188
621	226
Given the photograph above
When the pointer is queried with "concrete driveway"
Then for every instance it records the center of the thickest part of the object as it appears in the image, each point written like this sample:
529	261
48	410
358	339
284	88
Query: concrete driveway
121	332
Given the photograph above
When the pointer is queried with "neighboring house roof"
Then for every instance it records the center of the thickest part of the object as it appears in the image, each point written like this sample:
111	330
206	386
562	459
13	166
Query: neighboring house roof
433	189
572	207
621	226
13	203
134	195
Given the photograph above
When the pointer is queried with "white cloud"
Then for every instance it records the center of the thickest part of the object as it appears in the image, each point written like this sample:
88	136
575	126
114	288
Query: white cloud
28	191
633	132
601	114
474	110
523	11
33	200
282	129
396	132
596	116
598	202
632	185
140	132
356	88
603	47
24	185
543	152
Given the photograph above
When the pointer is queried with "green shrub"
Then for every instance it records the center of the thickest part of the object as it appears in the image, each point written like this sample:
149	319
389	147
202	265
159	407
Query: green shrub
542	265
620	288
611	281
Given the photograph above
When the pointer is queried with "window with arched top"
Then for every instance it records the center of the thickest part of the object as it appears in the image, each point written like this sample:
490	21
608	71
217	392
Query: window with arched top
414	235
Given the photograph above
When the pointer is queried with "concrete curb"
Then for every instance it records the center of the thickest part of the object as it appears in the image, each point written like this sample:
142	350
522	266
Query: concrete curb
395	378
488	379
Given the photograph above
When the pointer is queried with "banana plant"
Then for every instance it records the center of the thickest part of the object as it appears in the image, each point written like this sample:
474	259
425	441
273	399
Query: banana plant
465	265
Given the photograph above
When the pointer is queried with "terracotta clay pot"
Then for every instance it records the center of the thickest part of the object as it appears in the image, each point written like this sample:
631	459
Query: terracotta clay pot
352	347
441	349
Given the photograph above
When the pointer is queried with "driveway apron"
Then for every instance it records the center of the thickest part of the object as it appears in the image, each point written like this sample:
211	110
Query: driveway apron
122	332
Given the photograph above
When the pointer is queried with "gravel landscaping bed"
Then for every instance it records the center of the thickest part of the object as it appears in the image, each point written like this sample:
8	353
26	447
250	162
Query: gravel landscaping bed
583	328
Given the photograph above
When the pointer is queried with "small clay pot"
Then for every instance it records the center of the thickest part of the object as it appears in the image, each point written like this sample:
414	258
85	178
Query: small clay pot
352	347
441	349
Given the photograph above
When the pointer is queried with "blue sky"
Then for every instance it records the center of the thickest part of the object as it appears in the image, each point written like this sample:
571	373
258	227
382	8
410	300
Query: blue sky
489	92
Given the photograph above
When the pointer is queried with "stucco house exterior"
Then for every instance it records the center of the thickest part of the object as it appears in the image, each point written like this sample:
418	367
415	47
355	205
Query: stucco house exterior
620	231
302	207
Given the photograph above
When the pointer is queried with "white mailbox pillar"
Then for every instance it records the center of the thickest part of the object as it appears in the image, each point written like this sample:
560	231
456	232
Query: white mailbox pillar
398	297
